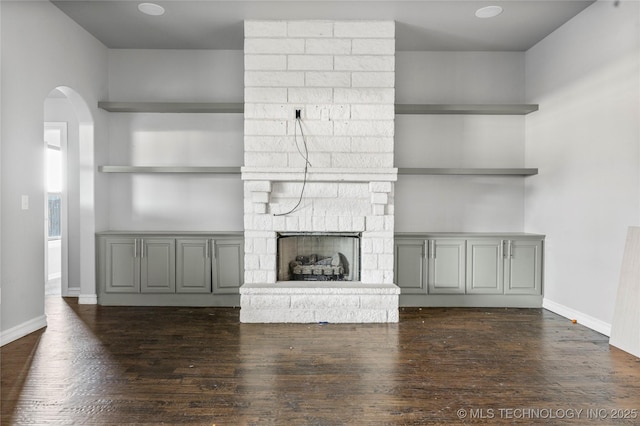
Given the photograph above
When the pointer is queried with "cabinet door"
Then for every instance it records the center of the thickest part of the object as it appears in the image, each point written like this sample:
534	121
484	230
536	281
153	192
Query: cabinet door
484	266
122	265
410	265
523	267
158	263
446	266
228	274
193	265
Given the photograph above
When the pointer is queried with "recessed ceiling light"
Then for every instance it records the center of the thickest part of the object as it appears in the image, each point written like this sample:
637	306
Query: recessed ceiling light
488	12
151	9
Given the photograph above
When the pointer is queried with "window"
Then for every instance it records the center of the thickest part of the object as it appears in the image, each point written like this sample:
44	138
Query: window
53	138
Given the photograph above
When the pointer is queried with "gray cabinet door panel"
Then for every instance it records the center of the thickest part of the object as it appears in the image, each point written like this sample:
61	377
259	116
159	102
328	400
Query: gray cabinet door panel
122	266
193	265
484	266
446	266
411	266
157	260
523	267
228	274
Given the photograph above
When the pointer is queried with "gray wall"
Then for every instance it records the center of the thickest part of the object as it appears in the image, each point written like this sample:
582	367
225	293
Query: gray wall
176	202
459	203
423	203
586	141
41	49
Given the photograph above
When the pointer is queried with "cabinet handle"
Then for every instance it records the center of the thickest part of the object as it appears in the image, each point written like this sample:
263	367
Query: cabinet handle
425	249
213	249
135	247
433	249
206	249
510	250
504	249
142	248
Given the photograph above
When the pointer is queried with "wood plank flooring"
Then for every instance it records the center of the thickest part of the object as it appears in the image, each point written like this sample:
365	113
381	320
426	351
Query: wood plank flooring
151	365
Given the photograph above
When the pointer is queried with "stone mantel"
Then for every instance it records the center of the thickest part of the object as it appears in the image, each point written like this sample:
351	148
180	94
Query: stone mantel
296	174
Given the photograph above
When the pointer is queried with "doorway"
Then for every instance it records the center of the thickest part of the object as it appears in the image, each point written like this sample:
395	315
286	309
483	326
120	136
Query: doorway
56	254
65	107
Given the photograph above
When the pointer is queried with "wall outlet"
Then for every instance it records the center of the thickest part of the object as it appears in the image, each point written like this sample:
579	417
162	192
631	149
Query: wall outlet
25	202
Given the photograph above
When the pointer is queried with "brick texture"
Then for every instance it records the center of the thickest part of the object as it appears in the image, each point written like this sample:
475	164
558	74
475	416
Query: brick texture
341	76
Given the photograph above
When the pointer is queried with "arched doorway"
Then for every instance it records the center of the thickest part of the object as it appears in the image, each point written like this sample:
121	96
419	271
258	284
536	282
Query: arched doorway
64	104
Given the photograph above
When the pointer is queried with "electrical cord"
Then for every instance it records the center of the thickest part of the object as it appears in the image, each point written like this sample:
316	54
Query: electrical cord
307	164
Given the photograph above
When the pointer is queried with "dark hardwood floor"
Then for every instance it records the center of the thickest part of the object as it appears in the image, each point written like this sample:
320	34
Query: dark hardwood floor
140	365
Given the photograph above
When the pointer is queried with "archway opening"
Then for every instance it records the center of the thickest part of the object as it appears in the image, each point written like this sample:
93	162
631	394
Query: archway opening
65	108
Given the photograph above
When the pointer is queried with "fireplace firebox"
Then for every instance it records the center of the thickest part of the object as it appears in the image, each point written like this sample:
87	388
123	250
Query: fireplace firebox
318	256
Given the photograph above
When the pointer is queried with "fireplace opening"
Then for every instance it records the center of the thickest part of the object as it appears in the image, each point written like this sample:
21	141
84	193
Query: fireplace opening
318	256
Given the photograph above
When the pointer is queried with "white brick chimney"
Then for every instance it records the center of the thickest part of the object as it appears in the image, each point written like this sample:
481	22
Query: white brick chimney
340	75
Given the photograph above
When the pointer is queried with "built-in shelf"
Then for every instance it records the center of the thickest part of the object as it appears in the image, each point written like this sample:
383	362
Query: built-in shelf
469	109
468	171
169	169
211	107
166	107
401	170
238	107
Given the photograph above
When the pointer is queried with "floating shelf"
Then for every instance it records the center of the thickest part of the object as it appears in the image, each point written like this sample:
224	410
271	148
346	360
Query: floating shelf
167	107
169	169
467	171
213	107
469	109
401	170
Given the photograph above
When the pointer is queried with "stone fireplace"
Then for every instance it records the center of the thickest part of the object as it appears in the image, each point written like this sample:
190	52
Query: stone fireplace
326	176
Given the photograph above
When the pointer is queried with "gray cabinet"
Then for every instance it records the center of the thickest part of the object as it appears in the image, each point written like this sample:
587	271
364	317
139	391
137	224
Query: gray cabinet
446	266
523	267
434	266
121	265
410	265
157	265
228	271
484	266
165	268
140	265
469	269
193	265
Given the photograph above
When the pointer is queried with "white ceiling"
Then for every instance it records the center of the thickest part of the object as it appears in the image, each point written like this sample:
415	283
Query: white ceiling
429	25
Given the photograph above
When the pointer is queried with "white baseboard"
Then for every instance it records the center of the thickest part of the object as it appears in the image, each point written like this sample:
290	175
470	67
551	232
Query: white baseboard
583	319
73	292
21	330
87	299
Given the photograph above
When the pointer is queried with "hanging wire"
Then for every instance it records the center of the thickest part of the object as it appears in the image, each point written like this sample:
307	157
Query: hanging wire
307	164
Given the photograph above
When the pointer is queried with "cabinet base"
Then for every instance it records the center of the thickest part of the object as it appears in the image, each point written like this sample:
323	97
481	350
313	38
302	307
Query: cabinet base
471	301
147	299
